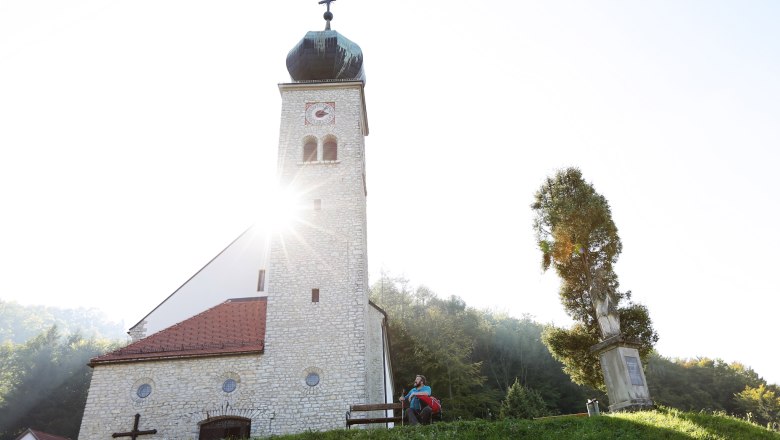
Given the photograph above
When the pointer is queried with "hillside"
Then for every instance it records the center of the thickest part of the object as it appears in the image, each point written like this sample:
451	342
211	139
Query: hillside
651	425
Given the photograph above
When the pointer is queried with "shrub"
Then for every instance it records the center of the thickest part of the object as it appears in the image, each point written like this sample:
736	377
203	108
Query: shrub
522	402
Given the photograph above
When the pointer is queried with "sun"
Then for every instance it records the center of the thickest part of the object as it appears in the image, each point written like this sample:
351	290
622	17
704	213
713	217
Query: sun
282	211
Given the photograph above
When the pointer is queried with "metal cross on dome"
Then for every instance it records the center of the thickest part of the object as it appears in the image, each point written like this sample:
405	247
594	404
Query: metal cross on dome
326	3
135	432
328	15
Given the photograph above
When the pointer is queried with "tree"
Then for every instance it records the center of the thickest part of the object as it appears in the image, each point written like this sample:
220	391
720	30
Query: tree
576	235
704	384
46	382
762	404
470	357
18	323
523	403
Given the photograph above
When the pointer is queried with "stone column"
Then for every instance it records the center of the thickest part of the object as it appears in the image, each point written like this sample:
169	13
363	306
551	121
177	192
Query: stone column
623	374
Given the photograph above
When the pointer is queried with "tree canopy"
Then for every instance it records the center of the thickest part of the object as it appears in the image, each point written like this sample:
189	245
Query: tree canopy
470	357
44	382
18	323
578	238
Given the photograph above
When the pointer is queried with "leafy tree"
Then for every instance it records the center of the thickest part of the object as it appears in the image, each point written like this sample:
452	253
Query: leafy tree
47	382
470	357
523	403
441	341
577	237
762	403
19	323
6	370
572	348
702	384
512	349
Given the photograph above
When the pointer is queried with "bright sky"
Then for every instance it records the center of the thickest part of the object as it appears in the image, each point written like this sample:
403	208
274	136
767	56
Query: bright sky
138	138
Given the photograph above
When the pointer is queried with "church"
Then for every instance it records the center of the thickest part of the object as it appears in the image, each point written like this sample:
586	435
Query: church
276	334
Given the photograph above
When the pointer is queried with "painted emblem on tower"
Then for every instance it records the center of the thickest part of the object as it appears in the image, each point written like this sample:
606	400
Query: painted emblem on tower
320	113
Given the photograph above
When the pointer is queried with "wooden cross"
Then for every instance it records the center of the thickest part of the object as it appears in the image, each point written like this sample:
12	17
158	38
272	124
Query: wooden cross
135	432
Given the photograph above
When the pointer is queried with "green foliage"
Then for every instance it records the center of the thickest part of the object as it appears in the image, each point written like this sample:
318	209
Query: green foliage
45	383
699	384
430	336
512	349
572	348
19	323
523	403
761	404
645	425
471	358
635	324
576	235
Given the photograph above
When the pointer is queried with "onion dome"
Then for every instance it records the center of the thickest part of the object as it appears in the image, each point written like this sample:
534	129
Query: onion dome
325	55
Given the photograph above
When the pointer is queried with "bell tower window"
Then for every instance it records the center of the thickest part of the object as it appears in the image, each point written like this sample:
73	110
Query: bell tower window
330	149
310	150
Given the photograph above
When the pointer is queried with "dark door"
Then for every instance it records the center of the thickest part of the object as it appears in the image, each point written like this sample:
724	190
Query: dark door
225	427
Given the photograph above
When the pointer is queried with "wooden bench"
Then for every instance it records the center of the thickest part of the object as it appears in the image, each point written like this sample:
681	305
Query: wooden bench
352	420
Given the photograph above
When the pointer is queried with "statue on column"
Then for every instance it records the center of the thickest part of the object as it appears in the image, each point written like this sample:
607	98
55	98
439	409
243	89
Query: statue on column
607	314
605	301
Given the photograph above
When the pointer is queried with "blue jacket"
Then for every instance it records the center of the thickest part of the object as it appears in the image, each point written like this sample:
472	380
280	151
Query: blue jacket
414	403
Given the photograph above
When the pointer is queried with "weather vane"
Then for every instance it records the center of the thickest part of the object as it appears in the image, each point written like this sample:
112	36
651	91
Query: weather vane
328	15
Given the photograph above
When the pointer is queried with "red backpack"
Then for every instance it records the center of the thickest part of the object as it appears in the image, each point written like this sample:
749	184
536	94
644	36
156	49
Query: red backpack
430	401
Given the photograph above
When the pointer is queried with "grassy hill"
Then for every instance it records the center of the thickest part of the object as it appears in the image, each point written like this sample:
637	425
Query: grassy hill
650	425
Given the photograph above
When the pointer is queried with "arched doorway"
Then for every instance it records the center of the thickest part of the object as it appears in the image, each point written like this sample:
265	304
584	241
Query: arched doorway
230	427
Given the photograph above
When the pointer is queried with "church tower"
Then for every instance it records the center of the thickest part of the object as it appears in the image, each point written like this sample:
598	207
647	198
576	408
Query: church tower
318	269
276	334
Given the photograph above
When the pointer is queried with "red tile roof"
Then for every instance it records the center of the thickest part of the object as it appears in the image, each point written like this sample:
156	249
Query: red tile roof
236	326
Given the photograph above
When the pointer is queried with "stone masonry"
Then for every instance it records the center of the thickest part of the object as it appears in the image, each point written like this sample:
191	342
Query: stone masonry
184	392
328	252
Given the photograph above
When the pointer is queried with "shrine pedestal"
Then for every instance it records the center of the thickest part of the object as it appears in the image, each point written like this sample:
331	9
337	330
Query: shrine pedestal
623	375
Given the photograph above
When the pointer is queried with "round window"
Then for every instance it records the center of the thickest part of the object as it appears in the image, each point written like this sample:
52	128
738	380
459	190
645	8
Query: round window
229	385
144	391
312	379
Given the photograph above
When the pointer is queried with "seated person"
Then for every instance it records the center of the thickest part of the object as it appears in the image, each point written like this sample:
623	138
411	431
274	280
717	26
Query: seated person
415	413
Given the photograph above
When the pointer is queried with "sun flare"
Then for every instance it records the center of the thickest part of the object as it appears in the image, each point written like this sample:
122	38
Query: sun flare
282	212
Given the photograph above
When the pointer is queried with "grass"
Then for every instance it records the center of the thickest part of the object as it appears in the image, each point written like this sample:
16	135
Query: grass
662	423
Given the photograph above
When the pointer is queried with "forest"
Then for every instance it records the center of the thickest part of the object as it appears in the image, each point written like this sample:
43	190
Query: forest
477	363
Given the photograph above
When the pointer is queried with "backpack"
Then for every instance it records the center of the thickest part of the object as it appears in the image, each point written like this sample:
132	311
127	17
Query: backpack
431	401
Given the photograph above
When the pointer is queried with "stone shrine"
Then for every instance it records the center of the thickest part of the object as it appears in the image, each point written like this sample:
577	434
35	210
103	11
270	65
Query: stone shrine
620	362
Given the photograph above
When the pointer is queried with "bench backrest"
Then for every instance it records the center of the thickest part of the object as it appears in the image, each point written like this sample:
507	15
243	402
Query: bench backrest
376	406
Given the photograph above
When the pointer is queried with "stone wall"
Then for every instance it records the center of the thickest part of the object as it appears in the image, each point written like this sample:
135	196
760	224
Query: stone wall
184	392
327	251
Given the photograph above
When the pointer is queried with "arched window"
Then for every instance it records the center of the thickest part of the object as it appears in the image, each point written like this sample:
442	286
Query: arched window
225	427
310	150
330	149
